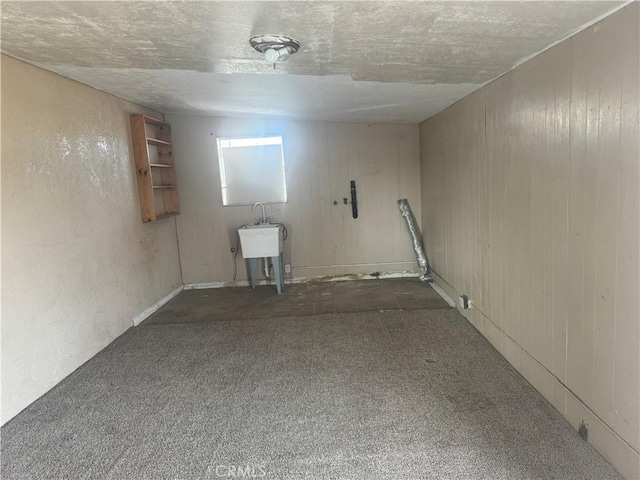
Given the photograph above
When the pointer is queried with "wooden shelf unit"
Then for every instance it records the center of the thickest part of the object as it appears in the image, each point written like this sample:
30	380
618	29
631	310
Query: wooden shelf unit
155	168
155	141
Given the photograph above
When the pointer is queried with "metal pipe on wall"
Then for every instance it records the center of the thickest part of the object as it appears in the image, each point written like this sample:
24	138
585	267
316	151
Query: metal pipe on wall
416	239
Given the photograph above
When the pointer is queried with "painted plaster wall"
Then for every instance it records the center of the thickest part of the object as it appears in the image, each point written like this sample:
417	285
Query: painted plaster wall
320	160
77	263
531	193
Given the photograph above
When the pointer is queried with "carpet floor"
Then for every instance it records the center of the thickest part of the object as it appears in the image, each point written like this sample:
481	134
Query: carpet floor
298	299
379	395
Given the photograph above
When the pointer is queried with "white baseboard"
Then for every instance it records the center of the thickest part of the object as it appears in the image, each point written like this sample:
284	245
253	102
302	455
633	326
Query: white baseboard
314	279
230	283
156	306
443	294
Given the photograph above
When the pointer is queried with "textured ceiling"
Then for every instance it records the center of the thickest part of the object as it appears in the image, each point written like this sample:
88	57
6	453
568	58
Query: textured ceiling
387	61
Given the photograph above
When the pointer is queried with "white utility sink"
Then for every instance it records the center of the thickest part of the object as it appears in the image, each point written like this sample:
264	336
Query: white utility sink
263	240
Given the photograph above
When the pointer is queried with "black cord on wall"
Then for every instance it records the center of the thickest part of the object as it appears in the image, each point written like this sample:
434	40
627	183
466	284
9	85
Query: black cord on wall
235	256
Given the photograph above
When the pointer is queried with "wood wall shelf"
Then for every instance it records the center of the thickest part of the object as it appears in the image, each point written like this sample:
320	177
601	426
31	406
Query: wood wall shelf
155	141
155	168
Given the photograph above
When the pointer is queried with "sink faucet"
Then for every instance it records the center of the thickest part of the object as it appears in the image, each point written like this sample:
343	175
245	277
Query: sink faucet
264	217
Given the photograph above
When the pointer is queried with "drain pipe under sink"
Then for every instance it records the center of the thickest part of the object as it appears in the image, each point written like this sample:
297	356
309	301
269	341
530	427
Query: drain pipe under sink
266	267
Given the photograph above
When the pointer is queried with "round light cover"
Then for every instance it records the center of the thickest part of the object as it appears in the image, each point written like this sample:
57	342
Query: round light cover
275	48
271	55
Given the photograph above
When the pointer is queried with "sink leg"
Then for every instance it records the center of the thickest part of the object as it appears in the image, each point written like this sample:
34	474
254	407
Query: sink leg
282	269
277	269
253	267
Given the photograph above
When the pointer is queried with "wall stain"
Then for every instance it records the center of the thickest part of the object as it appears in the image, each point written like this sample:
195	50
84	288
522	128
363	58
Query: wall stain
583	431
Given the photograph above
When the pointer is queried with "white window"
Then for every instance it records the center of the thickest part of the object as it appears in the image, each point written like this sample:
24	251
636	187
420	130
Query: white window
251	170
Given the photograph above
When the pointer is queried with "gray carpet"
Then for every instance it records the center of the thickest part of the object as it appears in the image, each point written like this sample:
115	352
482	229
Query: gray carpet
298	300
398	395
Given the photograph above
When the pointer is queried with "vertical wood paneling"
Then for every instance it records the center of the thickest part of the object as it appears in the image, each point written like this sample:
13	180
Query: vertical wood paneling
408	172
579	197
377	188
323	195
547	160
559	62
354	153
542	124
607	77
450	169
494	154
626	388
580	56
551	186
321	158
482	207
431	192
337	142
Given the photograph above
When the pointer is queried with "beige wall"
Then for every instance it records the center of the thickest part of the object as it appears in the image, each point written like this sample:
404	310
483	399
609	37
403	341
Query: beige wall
531	191
320	160
77	263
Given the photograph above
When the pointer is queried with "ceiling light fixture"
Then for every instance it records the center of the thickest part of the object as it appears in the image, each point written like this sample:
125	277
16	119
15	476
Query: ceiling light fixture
275	48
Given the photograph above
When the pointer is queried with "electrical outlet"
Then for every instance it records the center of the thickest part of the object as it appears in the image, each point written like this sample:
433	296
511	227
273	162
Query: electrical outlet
287	268
463	302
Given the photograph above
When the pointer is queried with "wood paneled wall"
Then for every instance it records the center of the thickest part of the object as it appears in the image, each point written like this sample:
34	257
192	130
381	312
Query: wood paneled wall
531	192
320	160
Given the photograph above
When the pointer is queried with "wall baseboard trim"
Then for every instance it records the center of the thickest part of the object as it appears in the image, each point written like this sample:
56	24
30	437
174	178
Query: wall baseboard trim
615	449
443	294
138	319
315	279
